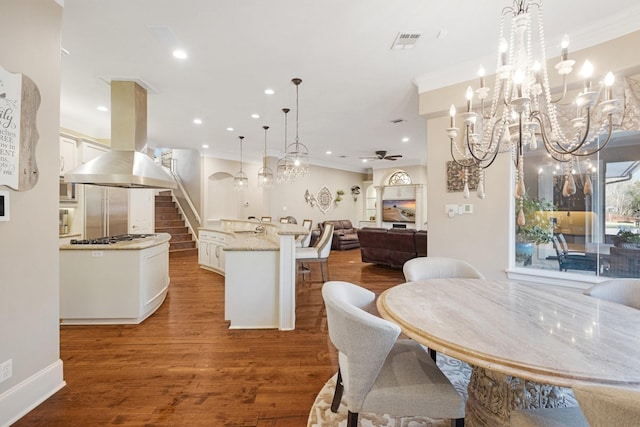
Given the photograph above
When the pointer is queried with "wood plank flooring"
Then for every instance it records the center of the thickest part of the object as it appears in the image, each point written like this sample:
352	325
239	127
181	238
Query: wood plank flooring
184	367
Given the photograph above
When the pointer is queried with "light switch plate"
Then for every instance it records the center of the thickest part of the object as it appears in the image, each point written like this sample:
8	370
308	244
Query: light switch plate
4	206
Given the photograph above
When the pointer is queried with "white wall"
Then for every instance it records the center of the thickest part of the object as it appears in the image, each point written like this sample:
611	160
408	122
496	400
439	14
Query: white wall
282	199
188	169
29	283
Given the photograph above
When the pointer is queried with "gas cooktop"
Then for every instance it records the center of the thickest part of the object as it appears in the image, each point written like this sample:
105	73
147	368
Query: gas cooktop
108	240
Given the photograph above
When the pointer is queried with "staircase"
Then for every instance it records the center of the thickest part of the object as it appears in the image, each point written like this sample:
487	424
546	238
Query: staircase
169	220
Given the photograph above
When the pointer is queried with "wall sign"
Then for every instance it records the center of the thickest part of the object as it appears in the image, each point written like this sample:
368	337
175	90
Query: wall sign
19	102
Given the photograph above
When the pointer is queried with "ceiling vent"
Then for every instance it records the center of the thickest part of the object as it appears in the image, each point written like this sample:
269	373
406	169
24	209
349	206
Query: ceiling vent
405	41
396	121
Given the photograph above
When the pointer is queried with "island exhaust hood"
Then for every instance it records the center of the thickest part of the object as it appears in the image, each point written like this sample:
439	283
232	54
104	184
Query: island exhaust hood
124	166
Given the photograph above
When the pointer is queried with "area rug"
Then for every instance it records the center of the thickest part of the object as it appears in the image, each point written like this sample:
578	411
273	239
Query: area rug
321	416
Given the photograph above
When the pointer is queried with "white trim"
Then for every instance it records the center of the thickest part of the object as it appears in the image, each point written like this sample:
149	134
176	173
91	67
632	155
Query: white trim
23	397
553	278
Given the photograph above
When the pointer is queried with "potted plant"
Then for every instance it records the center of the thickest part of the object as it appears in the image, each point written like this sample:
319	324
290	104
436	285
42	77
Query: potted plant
536	229
626	239
339	195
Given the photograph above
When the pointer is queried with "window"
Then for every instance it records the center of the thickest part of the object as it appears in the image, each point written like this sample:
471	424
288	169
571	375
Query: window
399	178
593	231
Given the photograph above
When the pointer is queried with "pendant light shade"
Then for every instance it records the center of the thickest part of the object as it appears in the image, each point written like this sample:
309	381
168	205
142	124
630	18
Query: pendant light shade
240	180
284	167
265	175
297	152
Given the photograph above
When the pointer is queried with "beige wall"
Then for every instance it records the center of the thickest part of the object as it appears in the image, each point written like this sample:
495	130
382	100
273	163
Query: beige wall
485	237
29	284
283	199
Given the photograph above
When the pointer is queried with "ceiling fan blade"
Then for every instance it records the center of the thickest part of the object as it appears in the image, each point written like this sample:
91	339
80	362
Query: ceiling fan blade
394	157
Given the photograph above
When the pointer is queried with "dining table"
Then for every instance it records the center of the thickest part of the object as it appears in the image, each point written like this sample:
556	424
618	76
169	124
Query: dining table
526	344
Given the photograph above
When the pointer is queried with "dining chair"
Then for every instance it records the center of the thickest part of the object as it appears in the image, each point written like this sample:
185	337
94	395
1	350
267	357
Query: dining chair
377	372
573	260
600	405
430	267
284	220
622	291
265	219
303	241
319	252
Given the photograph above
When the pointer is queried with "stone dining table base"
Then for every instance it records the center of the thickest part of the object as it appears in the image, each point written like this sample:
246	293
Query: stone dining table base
492	397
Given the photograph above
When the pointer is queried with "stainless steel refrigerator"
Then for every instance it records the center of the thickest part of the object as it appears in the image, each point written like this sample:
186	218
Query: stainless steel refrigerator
106	211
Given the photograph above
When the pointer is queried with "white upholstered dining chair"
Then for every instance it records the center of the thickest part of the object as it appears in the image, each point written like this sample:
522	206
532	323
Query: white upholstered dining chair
430	267
600	406
303	241
621	291
319	252
377	372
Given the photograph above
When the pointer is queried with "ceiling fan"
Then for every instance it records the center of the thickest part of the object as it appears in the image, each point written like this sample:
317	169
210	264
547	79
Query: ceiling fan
382	155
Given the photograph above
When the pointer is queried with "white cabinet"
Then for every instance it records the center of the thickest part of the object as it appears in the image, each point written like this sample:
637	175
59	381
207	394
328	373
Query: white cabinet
211	250
68	154
90	150
141	211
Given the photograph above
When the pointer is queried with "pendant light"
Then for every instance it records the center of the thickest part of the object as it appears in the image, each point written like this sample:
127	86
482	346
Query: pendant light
284	166
240	179
297	152
265	176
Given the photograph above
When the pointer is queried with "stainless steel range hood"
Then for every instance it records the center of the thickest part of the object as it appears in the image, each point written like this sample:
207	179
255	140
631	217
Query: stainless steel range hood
124	166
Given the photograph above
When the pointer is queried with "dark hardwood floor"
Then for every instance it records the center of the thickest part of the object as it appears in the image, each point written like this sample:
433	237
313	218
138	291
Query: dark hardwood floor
184	367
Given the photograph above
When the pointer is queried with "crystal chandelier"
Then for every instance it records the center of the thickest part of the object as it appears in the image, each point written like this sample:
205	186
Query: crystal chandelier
522	112
265	176
298	152
284	166
240	179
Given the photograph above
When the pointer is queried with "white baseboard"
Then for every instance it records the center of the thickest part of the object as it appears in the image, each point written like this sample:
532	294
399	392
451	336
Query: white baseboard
23	397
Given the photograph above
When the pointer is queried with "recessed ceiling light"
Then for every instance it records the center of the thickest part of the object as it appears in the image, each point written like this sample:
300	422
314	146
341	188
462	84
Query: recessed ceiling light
364	160
269	91
102	108
230	129
197	121
405	139
255	116
180	54
205	146
328	152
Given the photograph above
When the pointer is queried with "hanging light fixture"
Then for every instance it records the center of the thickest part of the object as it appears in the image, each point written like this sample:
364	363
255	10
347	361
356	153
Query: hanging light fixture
297	152
284	165
265	176
240	179
522	111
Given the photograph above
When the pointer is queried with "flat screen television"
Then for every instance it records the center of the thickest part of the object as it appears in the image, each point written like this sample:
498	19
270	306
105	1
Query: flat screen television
399	210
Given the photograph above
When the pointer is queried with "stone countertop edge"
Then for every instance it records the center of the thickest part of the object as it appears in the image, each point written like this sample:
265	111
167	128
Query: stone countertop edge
128	245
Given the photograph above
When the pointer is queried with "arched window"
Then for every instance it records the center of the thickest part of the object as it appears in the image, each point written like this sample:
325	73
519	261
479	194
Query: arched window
399	178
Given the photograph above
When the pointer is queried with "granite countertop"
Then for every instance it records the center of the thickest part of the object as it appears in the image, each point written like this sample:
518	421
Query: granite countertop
245	240
128	245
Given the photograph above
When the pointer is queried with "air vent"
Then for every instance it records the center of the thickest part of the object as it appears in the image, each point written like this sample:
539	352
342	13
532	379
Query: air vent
396	121
405	41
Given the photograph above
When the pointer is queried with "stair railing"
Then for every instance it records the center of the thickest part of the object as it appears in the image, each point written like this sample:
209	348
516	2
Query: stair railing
184	202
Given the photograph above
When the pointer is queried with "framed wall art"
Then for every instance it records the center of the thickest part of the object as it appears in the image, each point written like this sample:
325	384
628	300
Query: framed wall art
456	176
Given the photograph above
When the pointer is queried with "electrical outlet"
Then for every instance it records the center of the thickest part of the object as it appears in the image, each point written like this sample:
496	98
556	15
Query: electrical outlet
6	370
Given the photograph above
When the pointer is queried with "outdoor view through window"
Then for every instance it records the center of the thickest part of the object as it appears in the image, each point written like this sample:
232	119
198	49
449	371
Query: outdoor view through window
595	231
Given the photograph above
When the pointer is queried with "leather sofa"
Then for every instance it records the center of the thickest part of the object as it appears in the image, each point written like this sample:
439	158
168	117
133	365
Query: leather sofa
391	247
345	236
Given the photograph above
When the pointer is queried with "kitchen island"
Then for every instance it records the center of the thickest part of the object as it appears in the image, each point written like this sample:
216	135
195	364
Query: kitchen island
119	282
259	265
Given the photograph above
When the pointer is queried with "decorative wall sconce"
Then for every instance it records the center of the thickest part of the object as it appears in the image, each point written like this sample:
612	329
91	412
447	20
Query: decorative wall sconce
355	191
